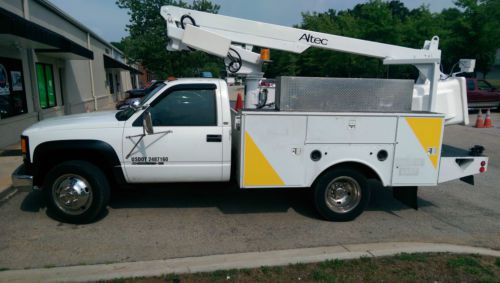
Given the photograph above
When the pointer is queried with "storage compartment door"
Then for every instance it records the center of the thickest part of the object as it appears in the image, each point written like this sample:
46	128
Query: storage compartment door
272	151
418	150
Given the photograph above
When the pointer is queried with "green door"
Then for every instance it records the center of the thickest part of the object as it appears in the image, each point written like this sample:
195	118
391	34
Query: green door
46	89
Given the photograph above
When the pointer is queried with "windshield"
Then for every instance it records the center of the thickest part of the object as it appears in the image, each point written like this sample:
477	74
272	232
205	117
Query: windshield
127	113
484	85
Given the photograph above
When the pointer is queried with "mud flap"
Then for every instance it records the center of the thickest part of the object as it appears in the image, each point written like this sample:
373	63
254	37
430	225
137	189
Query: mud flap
406	195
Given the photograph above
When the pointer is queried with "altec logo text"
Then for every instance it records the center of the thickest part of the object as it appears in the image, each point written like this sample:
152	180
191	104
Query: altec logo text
311	39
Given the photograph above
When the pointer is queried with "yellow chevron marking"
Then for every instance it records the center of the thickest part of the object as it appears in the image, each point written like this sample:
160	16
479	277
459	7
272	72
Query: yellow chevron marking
428	132
258	171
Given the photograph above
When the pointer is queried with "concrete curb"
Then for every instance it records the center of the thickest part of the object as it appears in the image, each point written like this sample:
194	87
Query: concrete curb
7	193
229	261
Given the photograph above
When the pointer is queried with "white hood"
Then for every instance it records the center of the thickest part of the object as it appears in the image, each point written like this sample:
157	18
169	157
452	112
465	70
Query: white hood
93	120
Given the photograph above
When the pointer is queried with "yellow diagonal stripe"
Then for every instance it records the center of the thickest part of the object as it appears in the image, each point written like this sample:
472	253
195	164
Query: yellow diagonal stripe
258	171
428	132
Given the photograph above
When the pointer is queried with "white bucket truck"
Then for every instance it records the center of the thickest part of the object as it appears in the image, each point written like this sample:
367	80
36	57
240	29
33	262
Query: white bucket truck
330	135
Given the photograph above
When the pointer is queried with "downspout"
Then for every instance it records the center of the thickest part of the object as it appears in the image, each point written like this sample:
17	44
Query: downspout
92	75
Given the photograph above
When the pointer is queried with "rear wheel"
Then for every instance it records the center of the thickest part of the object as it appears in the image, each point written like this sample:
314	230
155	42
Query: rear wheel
341	194
76	191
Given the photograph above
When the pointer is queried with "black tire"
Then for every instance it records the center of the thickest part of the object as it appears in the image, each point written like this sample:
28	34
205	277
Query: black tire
341	176
92	176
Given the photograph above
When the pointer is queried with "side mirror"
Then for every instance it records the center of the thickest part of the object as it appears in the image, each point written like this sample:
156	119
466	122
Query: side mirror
147	123
136	103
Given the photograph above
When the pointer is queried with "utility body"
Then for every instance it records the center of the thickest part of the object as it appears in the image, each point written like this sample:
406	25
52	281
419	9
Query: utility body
185	131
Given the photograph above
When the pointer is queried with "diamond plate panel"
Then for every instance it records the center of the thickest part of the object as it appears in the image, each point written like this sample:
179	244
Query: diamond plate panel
343	94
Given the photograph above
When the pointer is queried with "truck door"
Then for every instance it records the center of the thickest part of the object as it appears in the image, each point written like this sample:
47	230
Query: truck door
187	142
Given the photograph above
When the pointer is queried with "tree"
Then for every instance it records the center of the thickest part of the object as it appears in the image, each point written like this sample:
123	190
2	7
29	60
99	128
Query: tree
479	27
470	30
118	45
147	40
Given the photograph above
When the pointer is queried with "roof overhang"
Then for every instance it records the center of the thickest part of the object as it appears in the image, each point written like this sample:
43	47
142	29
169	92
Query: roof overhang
111	63
24	33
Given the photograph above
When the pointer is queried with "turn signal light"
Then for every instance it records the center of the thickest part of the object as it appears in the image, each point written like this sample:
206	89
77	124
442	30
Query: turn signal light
24	146
483	163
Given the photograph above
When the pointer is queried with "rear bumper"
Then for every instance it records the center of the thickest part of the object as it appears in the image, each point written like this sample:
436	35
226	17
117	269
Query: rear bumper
21	177
459	163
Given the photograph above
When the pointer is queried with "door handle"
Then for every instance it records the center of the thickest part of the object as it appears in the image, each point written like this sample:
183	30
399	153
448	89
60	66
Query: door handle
214	138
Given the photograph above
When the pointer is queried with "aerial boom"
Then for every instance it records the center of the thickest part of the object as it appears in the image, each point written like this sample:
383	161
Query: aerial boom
233	39
242	31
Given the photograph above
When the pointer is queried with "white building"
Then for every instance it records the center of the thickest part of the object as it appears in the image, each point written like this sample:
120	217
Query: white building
51	65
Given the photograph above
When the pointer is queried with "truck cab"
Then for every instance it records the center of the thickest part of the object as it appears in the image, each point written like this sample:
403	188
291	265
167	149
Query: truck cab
76	159
190	141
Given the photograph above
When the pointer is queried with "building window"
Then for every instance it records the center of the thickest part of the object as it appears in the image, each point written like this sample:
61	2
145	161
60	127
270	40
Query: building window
46	89
12	90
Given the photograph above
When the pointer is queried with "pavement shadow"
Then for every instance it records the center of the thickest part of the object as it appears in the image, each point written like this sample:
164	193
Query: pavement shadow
226	197
383	200
231	200
35	202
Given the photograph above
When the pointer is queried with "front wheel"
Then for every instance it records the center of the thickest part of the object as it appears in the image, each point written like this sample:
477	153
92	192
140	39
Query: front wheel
76	191
341	194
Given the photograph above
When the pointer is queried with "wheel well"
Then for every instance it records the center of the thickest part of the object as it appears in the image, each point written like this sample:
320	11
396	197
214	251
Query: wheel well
366	170
46	164
47	157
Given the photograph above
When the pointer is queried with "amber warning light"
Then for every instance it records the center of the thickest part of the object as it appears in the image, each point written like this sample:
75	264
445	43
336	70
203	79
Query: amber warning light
265	54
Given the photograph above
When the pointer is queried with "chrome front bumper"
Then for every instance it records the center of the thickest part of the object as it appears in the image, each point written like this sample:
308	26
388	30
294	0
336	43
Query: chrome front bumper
20	178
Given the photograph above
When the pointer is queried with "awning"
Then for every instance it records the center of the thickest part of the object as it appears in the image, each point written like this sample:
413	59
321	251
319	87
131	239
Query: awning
111	63
43	40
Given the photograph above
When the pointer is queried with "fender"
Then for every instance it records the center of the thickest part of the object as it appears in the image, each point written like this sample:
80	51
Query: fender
52	152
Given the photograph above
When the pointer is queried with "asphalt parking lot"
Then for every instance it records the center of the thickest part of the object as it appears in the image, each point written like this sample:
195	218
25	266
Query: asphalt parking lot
180	221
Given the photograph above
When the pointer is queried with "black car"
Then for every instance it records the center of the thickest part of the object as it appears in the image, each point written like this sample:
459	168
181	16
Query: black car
136	95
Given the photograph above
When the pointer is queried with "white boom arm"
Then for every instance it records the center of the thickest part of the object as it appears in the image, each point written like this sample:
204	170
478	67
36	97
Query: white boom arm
233	39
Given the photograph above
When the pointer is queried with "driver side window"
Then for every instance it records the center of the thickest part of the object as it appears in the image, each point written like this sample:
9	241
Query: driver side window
195	107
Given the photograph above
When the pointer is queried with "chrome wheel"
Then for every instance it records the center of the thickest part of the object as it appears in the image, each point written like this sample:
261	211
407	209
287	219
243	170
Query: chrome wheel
343	194
72	194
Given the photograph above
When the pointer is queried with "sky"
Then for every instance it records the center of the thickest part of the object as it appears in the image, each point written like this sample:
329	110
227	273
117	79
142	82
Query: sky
108	21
